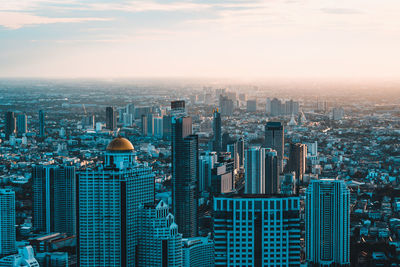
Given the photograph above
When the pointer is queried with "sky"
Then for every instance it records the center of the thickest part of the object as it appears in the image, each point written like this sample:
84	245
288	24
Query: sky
200	38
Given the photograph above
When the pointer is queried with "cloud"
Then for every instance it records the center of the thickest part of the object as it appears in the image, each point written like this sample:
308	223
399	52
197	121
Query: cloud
16	20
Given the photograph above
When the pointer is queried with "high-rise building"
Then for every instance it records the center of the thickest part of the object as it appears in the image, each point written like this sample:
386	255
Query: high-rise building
328	223
22	124
222	179
25	258
206	163
274	138
144	125
226	105
298	160
185	175
268	106
232	148
7	222
160	243
255	171
109	199
257	230
251	106
276	107
288	184
88	121
217	131
261	176
150	124
167	120
111	118
198	252
42	129
10	124
178	108
54	199
158	126
241	151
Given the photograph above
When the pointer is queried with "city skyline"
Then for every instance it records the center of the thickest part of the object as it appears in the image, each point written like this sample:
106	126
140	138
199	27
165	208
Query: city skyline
230	39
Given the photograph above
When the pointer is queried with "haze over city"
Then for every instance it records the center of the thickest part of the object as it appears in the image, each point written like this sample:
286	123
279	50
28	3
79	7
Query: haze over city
313	39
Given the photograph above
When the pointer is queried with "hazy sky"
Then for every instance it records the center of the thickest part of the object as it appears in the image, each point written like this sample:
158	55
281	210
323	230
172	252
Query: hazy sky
234	38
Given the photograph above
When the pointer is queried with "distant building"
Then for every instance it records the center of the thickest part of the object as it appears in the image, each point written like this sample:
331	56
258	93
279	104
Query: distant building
109	199
298	160
288	184
88	121
217	131
206	163
226	105
198	252
144	125
150	124
337	114
54	199
167	120
251	106
158	126
7	222
10	124
42	123
178	108
22	124
185	170
274	138
160	243
241	151
111	118
327	211
257	230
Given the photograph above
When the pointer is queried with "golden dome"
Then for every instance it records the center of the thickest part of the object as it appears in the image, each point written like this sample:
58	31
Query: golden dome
120	144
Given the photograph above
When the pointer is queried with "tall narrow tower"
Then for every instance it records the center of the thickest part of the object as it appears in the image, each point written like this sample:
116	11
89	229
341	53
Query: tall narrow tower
274	138
217	131
109	199
185	175
7	222
328	223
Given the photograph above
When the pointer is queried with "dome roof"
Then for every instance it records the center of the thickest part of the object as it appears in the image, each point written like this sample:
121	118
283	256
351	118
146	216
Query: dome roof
120	144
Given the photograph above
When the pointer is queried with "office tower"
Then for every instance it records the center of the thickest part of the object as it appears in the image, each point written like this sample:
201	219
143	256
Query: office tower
109	198
158	126
274	138
232	148
140	111
222	179
150	125
337	114
291	107
88	121
130	109
10	124
225	105
288	184
268	106
241	151
178	108
7	222
327	211
127	119
52	259
198	252
226	139
22	125
217	131
242	97
271	172
255	171
185	175
276	107
54	199
42	123
298	160
160	243
144	125
251	106
206	164
167	120
257	230
111	118
24	258
261	176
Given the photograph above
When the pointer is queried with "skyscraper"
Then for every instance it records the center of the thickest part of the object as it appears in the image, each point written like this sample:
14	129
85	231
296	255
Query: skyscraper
160	243
178	108
54	199
185	175
22	125
298	160
257	230
241	151
206	164
261	174
111	118
7	222
167	120
198	252
217	131
10	124
226	105
328	223
42	131
274	138
109	199
251	106
144	125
